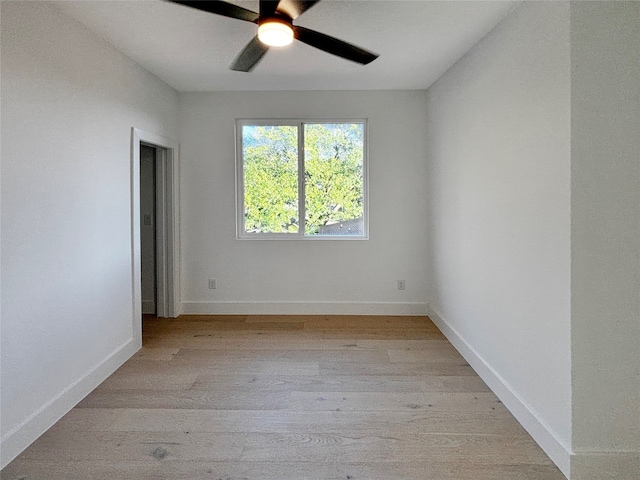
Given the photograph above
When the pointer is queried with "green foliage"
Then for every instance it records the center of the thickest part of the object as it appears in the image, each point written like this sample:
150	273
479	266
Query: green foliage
270	179
333	176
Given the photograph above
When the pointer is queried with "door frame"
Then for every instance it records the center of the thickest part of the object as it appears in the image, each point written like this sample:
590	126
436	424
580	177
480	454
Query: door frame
167	226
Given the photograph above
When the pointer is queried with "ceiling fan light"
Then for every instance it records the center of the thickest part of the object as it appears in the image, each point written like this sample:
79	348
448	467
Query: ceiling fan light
275	33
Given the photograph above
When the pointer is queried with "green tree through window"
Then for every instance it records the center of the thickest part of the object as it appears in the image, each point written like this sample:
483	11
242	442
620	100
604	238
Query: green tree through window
270	179
316	191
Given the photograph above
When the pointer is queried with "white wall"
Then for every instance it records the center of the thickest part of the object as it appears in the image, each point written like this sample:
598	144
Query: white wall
605	204
69	101
324	276
499	200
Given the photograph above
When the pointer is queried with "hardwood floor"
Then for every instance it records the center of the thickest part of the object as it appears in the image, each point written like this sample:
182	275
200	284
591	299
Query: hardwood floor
288	397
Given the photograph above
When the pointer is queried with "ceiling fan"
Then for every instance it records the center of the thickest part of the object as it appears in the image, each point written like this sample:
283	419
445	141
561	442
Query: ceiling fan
275	28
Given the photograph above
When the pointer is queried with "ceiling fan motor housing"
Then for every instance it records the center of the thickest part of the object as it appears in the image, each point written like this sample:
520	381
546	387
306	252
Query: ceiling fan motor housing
275	30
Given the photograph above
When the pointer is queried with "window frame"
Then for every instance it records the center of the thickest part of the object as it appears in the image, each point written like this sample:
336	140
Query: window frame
300	234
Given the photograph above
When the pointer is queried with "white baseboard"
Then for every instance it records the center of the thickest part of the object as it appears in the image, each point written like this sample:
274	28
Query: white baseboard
304	308
19	438
148	306
559	453
610	465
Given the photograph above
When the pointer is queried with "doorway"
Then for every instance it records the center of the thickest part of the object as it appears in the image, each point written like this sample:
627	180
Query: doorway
148	232
155	268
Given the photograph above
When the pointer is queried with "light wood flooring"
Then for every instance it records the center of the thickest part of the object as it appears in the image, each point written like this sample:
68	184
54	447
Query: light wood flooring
288	397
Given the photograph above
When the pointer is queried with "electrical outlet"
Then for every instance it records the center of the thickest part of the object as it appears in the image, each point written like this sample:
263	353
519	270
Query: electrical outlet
401	285
212	284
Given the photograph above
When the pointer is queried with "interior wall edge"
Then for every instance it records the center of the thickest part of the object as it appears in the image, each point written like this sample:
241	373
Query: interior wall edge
612	465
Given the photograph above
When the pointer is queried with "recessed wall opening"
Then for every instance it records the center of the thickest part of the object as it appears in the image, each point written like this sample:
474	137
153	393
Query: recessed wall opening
155	227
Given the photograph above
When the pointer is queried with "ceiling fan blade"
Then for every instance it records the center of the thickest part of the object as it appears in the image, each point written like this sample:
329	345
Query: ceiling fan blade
222	8
294	8
334	46
249	56
268	7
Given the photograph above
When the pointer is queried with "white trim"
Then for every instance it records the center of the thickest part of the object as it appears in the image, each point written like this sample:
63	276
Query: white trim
173	231
612	465
16	440
172	198
544	435
304	308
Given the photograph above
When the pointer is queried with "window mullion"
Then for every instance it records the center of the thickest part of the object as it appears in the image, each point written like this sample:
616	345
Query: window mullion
301	175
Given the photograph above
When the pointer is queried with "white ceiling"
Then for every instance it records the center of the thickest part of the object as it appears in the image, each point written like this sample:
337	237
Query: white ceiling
191	50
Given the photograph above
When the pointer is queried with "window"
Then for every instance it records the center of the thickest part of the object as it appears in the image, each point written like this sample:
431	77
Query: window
301	179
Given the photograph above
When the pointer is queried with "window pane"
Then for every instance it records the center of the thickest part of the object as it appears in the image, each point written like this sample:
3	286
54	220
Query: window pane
270	170
334	187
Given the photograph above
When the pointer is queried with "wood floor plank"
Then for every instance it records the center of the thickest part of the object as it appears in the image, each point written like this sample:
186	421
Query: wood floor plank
368	322
378	334
208	339
302	341
200	327
209	357
476	449
221	366
320	397
248	399
336	383
455	383
394	402
167	469
90	420
157	353
439	353
137	446
403	369
202	318
288	421
157	381
279	318
404	344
